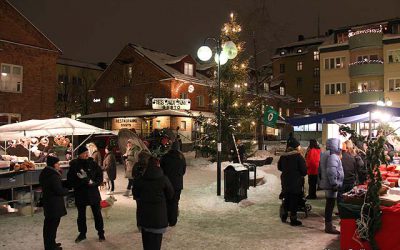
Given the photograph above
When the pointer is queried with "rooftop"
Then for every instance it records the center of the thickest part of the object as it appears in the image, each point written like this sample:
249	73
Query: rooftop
80	64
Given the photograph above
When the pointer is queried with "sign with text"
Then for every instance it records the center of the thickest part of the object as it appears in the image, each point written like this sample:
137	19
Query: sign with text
127	122
270	117
166	103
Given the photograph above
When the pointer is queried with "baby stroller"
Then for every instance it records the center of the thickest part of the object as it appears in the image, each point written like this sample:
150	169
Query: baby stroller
303	206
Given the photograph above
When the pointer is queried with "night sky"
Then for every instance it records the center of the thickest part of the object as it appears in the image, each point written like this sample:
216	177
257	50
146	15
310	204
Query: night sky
96	30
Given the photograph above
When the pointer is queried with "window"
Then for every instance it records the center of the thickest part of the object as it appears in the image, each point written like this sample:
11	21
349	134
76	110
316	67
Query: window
147	99
287	112
130	73
316	72
299	81
316	55
200	101
282	90
317	103
266	87
316	87
126	101
183	125
183	95
394	56
188	69
363	86
11	78
342	37
396	28
299	66
394	84
335	88
335	63
280	111
282	68
158	124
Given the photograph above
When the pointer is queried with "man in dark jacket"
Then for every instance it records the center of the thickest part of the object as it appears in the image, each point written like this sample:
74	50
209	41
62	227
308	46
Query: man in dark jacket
173	164
293	168
85	176
53	202
151	192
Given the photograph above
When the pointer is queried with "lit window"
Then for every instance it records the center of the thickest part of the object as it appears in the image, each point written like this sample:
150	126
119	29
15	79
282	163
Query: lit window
126	101
188	69
130	73
287	112
11	78
280	111
394	84
183	125
316	55
158	124
299	66
200	101
282	90
334	63
266	87
335	88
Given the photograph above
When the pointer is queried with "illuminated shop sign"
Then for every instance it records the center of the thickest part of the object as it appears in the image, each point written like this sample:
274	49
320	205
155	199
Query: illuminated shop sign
166	103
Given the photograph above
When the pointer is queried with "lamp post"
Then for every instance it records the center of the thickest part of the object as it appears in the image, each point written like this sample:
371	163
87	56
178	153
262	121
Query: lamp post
110	101
223	53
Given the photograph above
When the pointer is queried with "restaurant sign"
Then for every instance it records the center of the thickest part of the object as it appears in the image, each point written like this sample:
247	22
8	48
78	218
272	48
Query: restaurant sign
166	103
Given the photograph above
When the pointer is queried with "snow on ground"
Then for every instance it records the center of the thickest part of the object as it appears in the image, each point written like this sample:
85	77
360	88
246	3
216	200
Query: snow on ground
205	222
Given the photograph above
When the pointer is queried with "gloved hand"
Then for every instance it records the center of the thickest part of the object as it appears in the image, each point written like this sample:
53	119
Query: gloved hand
82	174
334	188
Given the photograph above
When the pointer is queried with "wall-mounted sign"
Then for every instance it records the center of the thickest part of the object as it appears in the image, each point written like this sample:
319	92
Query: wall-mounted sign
96	100
166	103
128	122
191	88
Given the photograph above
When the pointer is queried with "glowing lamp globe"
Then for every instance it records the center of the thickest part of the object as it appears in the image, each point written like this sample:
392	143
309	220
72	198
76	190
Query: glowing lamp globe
204	53
380	103
111	100
223	58
389	103
230	49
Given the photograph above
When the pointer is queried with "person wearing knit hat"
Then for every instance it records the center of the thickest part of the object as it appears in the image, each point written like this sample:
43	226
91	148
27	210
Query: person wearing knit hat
85	176
53	201
293	168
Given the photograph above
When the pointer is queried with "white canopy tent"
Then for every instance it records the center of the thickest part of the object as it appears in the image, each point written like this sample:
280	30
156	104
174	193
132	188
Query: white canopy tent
48	127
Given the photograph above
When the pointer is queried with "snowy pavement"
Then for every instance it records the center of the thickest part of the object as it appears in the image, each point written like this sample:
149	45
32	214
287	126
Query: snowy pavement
205	222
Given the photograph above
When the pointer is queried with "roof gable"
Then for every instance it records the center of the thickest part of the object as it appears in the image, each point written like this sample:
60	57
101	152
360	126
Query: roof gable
15	27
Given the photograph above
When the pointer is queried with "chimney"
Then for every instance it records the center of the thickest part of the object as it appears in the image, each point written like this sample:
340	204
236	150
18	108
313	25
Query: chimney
300	38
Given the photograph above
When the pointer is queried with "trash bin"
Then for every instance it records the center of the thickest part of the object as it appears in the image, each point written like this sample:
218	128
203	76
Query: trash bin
236	183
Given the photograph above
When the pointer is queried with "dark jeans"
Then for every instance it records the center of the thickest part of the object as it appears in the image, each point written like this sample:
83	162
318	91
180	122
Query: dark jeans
111	185
151	241
329	206
291	203
50	232
130	184
312	186
98	219
173	208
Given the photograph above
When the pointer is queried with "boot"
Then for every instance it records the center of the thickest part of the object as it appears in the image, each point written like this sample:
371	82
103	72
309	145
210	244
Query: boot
126	193
294	222
330	228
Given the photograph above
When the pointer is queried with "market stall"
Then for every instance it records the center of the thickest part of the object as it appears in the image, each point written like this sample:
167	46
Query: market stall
18	172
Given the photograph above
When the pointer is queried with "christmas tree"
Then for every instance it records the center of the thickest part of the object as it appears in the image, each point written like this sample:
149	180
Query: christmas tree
237	111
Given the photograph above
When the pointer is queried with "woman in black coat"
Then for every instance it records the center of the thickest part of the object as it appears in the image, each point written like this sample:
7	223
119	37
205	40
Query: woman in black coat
293	168
110	169
53	201
173	164
151	192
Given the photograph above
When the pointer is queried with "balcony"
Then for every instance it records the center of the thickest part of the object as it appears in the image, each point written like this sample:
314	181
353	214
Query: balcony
369	96
366	68
366	39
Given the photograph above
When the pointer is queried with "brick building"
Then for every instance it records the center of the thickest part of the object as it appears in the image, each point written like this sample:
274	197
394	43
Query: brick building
135	77
28	68
76	79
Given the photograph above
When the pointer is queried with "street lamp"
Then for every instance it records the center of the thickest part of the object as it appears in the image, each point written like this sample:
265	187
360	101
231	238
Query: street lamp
110	101
384	102
224	52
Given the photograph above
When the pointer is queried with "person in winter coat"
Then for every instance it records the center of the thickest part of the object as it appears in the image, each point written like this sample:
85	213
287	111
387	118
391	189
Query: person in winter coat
362	171
95	154
85	176
331	179
312	160
173	164
293	168
53	201
132	152
152	191
110	168
351	163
